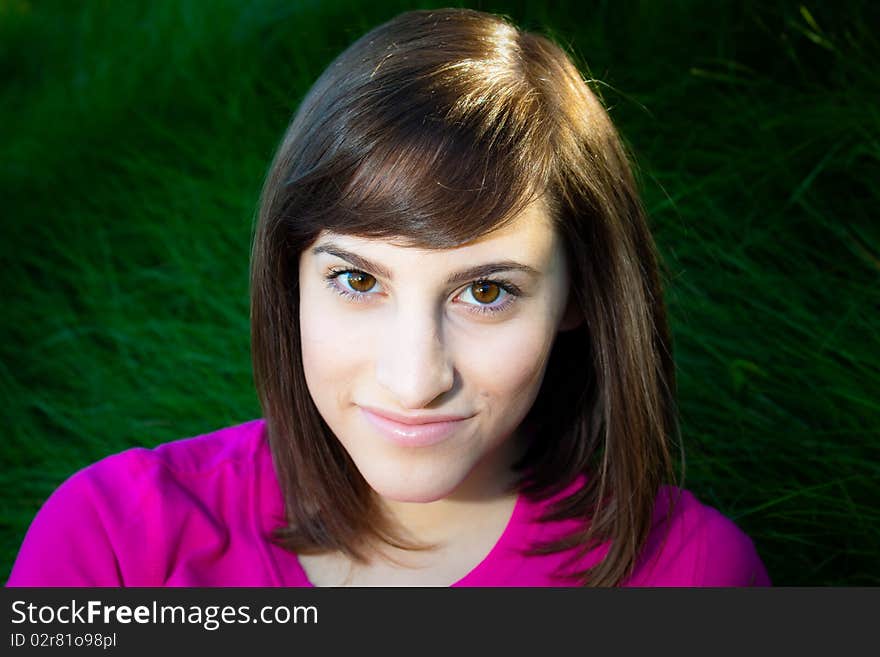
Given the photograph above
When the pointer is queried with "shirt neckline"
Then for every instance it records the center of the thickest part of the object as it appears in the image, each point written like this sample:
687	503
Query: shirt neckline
502	560
486	571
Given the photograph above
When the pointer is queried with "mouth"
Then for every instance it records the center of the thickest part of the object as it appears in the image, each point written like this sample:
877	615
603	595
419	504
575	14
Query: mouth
420	434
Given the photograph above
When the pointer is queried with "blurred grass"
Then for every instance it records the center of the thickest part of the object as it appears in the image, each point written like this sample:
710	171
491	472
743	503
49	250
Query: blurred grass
133	141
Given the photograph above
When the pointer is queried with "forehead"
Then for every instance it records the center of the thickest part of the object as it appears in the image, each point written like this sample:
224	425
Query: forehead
530	233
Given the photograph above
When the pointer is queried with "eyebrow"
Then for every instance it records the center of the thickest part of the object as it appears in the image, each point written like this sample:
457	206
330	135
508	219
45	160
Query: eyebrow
466	275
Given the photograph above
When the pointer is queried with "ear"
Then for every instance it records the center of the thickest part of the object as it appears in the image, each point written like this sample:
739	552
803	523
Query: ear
572	318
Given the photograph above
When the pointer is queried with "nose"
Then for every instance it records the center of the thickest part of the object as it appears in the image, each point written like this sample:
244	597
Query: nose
414	363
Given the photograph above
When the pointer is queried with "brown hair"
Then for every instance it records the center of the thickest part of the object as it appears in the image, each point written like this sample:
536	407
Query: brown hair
439	126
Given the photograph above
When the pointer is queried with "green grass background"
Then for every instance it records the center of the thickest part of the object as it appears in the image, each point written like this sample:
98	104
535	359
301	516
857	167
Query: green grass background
133	141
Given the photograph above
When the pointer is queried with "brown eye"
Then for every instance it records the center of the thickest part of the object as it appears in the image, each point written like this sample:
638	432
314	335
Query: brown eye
485	292
360	281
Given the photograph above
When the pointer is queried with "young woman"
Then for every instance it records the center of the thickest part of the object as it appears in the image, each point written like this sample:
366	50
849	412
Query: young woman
460	348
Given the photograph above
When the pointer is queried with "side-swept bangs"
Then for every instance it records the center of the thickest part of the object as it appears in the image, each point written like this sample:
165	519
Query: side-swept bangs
435	147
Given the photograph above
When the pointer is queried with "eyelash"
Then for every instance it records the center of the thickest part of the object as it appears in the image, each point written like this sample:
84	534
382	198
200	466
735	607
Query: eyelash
513	292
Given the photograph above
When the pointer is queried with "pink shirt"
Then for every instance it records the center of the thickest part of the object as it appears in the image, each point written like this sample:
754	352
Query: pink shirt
198	512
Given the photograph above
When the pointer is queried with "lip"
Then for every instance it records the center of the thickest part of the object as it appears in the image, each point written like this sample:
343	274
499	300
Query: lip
415	431
431	418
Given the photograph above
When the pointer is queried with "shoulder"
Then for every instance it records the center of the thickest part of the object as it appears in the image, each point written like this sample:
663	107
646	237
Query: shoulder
122	480
189	457
694	544
188	462
122	511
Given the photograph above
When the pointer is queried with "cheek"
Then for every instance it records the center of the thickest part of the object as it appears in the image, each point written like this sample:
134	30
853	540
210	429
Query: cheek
508	366
330	344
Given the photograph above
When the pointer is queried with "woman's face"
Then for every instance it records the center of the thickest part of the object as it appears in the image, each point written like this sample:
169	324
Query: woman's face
463	332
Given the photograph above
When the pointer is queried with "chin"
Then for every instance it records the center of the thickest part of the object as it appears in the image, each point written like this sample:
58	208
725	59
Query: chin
418	491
